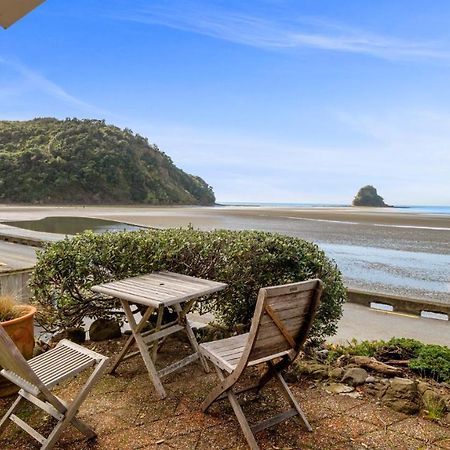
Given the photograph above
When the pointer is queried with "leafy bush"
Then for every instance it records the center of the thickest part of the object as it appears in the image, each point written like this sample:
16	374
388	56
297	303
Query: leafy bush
433	361
354	348
428	360
246	260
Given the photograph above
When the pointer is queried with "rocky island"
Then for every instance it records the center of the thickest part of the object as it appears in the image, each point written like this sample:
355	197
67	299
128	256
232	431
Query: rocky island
368	196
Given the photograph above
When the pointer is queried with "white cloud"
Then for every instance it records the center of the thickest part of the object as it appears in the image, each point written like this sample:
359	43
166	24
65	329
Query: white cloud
282	33
30	79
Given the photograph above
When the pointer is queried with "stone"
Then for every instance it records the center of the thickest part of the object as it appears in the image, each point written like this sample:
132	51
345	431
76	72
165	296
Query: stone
336	373
76	334
401	395
423	386
316	370
338	388
103	329
355	376
322	355
370	379
432	399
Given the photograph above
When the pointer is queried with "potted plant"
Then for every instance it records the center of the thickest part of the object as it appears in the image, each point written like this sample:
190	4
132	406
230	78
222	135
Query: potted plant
18	321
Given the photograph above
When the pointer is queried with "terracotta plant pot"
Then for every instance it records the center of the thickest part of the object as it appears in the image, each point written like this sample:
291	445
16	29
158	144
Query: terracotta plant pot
21	331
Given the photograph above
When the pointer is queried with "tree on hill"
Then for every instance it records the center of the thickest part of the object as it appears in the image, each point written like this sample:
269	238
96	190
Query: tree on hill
368	196
76	161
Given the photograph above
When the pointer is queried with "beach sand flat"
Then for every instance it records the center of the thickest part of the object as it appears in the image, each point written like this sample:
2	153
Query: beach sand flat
145	215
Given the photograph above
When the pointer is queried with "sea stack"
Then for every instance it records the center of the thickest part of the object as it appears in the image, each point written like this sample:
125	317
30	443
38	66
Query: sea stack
368	196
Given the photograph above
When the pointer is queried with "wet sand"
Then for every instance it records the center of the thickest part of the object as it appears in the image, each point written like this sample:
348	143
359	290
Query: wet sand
146	215
385	250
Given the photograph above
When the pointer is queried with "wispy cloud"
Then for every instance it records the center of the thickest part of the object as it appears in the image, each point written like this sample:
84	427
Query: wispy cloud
31	79
279	33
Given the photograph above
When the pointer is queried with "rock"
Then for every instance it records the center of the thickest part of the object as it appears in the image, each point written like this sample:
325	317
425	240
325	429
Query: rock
433	400
401	395
313	368
103	329
447	418
423	386
355	376
322	355
76	334
39	348
336	373
338	388
370	379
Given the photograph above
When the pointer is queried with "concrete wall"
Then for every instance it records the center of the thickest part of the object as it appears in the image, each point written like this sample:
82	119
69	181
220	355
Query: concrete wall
399	304
15	282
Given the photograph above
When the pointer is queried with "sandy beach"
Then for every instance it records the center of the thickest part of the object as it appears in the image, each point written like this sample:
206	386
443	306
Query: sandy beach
380	249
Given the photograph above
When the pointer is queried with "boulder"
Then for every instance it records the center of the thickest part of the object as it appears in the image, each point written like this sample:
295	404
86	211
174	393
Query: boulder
338	388
370	379
355	376
76	334
434	400
316	370
423	386
336	373
401	395
103	329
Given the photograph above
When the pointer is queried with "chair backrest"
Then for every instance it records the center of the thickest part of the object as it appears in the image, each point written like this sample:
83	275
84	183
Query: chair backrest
283	317
12	360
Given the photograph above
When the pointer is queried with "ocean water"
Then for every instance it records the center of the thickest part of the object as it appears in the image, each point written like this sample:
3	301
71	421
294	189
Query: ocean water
417	209
388	258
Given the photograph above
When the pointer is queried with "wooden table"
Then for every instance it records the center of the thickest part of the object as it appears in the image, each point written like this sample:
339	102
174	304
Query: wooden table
157	291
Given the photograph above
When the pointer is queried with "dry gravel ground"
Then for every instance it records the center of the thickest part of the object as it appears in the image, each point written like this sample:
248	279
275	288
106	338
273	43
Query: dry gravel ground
126	414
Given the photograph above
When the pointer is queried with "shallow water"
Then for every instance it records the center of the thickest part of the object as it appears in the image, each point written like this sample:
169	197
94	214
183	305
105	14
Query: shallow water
73	225
396	271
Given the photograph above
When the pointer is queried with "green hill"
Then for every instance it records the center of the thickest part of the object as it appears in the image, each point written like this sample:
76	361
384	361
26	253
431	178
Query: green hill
72	161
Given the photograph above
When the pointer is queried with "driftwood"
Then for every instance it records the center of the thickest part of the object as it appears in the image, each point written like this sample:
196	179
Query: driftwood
398	362
377	366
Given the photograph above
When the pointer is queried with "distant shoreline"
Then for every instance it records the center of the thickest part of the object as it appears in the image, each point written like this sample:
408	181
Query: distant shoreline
182	215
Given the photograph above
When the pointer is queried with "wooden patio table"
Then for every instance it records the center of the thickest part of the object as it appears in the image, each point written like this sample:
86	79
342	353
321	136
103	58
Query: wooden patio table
157	291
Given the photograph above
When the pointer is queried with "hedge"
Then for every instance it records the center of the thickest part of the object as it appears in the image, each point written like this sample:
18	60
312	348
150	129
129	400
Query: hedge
246	260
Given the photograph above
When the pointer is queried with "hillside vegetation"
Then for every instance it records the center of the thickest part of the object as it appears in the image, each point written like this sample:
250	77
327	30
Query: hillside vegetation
89	162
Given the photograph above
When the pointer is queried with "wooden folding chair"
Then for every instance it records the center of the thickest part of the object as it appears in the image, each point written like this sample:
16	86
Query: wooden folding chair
280	326
39	375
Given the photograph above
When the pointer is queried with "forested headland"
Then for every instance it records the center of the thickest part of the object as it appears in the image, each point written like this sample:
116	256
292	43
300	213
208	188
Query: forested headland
73	161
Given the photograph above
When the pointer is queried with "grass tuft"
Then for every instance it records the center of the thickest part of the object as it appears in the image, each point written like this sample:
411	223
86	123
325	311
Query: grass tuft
9	309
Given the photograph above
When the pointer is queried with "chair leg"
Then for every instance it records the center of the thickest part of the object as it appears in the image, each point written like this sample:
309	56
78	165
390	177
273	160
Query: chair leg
242	421
290	397
239	414
4	422
72	409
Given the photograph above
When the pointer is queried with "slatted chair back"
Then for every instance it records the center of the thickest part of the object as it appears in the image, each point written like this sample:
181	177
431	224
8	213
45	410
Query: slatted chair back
13	361
283	317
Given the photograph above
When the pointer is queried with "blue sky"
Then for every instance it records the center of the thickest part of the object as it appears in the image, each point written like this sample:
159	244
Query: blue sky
269	100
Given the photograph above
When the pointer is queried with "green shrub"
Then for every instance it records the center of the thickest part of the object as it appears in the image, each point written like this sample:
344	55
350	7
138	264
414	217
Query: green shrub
246	260
432	361
354	348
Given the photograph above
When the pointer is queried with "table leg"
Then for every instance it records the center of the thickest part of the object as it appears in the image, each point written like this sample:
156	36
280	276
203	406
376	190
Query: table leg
131	339
190	334
136	330
157	328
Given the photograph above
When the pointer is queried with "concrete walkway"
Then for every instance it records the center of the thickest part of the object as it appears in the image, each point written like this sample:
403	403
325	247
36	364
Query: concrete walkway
362	323
16	256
